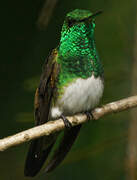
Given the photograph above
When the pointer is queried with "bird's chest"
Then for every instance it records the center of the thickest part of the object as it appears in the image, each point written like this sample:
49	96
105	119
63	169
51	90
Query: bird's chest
81	95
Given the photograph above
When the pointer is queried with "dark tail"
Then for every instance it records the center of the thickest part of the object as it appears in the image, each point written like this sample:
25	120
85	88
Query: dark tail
64	147
37	155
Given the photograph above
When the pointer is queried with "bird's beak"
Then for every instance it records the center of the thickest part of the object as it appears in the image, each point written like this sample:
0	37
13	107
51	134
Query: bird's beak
92	16
96	14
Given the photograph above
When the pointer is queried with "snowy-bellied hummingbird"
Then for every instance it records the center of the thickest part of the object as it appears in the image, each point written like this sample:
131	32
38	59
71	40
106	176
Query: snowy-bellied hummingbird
71	82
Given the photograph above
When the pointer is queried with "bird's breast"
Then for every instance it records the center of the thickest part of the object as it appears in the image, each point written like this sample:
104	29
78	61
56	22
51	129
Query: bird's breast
79	96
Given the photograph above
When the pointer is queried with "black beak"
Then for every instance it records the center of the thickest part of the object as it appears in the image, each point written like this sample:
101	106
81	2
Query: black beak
96	14
92	16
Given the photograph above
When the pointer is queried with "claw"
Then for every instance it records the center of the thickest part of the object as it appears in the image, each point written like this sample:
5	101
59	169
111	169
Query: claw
89	115
67	124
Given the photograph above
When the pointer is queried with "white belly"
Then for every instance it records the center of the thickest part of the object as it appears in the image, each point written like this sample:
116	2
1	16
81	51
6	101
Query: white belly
81	95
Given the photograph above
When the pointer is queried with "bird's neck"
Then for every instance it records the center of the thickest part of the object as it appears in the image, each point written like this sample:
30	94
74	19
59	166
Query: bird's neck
77	54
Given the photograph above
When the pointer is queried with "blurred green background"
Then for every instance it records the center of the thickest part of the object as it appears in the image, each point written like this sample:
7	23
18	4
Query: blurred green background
100	152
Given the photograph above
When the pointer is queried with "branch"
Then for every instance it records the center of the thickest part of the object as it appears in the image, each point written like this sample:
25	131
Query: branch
58	125
131	159
46	13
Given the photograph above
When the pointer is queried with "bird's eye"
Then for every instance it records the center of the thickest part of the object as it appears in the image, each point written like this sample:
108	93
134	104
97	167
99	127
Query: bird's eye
71	22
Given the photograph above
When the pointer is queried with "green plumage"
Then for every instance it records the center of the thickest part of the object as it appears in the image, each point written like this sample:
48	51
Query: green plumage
77	53
75	58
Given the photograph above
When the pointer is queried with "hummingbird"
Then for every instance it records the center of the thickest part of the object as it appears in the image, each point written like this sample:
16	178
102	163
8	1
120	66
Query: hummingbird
71	82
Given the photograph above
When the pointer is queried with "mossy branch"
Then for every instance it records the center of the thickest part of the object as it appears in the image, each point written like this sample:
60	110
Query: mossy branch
58	125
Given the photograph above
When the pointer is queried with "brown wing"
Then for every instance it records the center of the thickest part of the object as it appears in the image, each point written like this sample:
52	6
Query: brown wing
46	89
41	147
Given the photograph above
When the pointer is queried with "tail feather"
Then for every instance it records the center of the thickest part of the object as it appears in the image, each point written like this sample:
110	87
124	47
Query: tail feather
64	147
36	157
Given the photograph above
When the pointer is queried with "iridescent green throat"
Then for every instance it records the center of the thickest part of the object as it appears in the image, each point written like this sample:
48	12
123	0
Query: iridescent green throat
77	53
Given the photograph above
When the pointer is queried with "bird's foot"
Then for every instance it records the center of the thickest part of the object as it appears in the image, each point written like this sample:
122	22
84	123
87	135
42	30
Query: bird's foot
89	115
67	124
